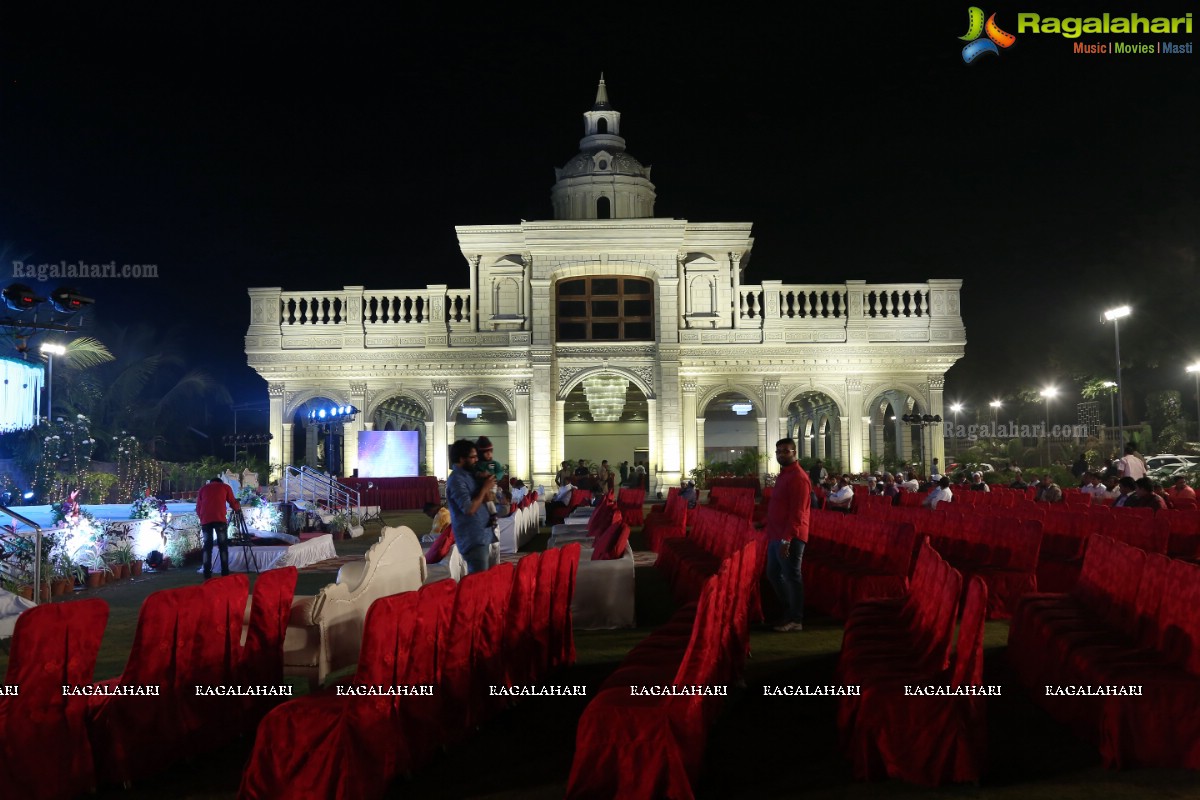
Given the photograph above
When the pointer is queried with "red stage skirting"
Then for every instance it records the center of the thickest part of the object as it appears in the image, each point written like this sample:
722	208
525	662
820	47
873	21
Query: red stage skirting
735	483
393	494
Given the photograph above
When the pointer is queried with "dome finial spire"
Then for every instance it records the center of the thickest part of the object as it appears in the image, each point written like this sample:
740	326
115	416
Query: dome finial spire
601	95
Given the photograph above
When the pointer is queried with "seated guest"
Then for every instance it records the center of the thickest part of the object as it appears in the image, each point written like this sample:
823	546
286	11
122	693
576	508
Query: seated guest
1018	483
1094	488
561	498
441	520
1144	496
1125	488
872	485
890	489
1049	491
977	484
690	494
942	494
1181	491
841	498
912	484
518	489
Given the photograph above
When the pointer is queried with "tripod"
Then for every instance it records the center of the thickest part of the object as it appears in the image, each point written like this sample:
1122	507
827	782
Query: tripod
378	512
242	537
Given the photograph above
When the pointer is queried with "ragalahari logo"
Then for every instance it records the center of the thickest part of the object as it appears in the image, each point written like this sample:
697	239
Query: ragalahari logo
976	27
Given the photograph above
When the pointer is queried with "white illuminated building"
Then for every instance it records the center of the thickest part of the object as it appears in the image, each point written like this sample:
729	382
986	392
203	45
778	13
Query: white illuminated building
606	332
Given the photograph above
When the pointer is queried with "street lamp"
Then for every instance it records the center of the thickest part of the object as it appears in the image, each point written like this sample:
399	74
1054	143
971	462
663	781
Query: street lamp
1112	390
955	407
1114	315
995	404
1195	370
1048	393
51	350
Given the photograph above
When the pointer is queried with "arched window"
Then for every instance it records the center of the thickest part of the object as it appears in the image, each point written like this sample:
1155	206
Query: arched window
602	125
605	308
603	208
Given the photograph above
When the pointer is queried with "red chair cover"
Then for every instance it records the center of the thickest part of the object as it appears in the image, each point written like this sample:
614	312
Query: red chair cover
262	657
44	748
562	638
632	502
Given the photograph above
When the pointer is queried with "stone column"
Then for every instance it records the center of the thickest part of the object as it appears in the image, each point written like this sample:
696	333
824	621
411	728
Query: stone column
844	442
688	420
441	445
473	261
670	439
762	439
358	399
936	384
541	414
700	457
518	442
735	260
652	423
559	433
275	426
854	429
771	401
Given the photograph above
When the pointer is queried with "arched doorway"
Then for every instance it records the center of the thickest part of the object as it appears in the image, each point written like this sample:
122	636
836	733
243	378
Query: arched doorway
895	444
481	415
731	442
606	418
815	422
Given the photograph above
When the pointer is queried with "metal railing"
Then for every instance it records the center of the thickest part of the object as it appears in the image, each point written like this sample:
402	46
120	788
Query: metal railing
317	488
12	535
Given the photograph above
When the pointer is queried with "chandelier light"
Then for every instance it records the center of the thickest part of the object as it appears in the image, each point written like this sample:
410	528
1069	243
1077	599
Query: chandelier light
605	396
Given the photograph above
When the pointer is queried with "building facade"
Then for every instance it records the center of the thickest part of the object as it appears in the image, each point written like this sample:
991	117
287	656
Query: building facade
609	333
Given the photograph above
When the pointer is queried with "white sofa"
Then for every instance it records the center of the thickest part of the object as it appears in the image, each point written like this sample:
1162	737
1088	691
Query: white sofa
324	632
517	529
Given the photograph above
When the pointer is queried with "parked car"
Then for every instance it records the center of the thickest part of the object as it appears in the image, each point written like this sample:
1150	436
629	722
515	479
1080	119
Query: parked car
1162	460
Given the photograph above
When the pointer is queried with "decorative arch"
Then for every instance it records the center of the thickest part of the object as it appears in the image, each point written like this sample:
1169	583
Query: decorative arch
794	393
304	395
711	392
614	268
624	372
897	386
456	399
391	394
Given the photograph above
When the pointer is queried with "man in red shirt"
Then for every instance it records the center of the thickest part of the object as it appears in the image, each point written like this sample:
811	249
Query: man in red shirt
787	534
210	507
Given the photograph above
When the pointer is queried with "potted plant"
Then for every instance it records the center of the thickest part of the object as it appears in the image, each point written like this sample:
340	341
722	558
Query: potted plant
64	575
338	524
122	556
91	559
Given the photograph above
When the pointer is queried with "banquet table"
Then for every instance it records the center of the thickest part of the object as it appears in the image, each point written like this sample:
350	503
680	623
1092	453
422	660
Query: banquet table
394	494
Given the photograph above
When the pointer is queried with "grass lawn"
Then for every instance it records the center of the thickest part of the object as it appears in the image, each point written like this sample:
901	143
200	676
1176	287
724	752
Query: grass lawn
760	747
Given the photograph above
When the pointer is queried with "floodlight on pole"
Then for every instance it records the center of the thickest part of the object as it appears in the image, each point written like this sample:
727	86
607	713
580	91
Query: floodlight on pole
995	404
1115	315
955	407
51	350
1048	393
1195	370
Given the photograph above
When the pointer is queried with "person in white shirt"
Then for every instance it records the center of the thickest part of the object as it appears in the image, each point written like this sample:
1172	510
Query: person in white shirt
842	497
941	494
912	484
1131	466
1098	491
519	491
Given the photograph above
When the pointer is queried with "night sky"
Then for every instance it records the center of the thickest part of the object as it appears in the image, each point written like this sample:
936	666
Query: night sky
311	149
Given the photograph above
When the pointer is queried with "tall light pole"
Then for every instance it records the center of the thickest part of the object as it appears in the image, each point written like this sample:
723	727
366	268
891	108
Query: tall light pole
51	350
1112	390
995	404
1195	370
1114	315
1048	393
955	407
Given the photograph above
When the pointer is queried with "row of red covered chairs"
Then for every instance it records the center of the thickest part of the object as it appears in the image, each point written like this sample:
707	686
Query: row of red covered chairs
666	521
893	643
1132	619
1001	550
631	501
736	500
643	746
687	562
508	626
55	745
850	558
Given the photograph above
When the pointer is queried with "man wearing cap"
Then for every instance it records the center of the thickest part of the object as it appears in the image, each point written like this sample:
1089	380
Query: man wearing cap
977	483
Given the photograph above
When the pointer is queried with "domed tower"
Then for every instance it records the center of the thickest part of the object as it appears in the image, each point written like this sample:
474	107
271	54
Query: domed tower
602	181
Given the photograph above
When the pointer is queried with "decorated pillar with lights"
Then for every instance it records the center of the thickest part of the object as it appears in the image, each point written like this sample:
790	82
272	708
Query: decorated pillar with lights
351	427
275	426
690	424
441	447
936	384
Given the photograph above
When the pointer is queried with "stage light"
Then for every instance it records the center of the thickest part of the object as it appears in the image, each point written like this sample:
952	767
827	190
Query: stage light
20	297
27	496
69	301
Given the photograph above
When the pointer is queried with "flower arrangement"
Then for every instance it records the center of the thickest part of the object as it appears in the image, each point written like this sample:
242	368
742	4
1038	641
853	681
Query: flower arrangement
149	507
